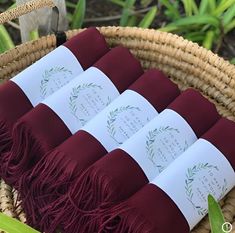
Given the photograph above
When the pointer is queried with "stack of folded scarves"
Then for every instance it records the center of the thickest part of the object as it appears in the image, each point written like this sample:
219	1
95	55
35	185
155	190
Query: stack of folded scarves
67	110
52	176
79	149
19	95
167	203
125	170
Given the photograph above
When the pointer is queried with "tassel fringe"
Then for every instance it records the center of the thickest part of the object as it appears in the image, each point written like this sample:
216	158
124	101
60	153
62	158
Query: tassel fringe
22	154
46	183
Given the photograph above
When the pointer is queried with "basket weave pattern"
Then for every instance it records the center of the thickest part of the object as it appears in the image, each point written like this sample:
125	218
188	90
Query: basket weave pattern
186	63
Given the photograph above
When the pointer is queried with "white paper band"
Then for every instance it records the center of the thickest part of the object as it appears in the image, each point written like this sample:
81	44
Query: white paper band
121	119
160	142
48	74
82	98
200	171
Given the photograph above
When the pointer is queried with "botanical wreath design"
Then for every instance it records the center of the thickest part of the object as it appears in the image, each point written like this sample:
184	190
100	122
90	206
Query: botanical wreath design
47	75
190	177
75	94
112	117
151	138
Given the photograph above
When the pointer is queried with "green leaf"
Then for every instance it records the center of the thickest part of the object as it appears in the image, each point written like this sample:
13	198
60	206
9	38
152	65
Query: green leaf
175	14
203	8
11	225
34	35
6	42
79	14
132	21
118	2
127	11
197	20
229	26
195	36
70	4
211	5
228	15
208	40
232	61
187	7
224	5
148	18
215	215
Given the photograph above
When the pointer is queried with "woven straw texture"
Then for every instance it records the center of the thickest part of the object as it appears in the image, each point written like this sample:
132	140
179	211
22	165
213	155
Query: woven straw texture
186	63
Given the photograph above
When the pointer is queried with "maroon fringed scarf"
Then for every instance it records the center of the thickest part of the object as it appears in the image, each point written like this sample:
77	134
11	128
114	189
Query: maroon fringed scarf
118	175
87	47
52	176
152	209
42	129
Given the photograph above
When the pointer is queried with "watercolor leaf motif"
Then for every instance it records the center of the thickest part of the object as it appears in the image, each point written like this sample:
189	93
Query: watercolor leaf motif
150	142
46	77
74	95
190	177
112	117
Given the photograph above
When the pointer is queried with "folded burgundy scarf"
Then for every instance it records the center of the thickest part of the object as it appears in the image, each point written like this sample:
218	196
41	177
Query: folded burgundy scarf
52	176
66	111
167	204
19	95
141	158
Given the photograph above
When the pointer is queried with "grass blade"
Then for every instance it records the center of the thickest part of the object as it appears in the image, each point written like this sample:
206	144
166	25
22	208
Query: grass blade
224	5
187	7
132	21
232	61
171	8
229	27
118	2
127	10
6	42
215	215
203	8
228	15
208	40
79	14
148	18
11	225
195	36
194	7
197	20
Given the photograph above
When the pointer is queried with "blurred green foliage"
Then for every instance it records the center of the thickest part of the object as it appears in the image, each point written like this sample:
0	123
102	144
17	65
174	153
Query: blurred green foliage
206	22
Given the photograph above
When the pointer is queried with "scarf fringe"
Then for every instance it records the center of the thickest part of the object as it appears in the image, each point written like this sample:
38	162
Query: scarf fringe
22	153
122	219
5	142
46	183
78	207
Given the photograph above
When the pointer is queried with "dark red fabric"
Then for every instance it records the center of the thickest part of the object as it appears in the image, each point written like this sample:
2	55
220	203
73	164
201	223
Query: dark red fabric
222	136
117	176
149	210
146	204
88	46
63	165
200	115
38	137
13	105
120	67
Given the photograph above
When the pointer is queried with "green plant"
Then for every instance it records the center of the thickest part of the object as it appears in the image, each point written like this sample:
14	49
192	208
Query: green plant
130	17
11	225
206	23
216	217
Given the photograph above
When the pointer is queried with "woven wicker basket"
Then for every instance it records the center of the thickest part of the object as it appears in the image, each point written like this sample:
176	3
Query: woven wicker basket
188	65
